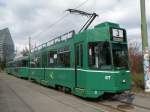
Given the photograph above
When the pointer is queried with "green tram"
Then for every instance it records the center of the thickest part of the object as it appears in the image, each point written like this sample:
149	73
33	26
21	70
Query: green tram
18	67
88	64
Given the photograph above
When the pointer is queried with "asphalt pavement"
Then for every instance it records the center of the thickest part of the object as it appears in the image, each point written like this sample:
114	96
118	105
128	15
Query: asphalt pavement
18	95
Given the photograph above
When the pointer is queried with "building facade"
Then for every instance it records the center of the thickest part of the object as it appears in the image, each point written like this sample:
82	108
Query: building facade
6	46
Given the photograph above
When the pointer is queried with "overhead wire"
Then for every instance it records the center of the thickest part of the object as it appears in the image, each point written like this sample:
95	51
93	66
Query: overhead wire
61	18
80	5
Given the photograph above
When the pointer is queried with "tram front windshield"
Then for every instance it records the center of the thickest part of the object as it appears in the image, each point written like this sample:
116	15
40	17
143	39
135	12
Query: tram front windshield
101	58
120	55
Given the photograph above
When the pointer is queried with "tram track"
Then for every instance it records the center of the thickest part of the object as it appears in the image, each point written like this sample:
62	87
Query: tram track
113	105
41	92
97	105
123	106
135	105
127	98
18	96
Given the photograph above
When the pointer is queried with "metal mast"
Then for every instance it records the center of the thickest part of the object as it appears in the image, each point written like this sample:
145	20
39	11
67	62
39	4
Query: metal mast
29	44
145	46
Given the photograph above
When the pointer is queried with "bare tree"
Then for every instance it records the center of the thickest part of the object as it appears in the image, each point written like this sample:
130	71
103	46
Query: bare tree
25	51
136	58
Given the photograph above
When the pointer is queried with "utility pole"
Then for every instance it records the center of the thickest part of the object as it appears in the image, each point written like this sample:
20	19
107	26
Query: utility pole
29	44
145	47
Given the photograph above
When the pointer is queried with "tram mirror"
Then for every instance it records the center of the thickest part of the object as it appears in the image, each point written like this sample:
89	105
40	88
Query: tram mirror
55	56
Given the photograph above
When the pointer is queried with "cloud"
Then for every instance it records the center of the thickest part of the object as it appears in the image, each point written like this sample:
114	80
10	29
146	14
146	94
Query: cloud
2	3
35	18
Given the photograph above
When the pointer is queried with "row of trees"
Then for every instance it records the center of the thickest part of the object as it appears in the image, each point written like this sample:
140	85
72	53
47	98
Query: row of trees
135	58
25	51
136	67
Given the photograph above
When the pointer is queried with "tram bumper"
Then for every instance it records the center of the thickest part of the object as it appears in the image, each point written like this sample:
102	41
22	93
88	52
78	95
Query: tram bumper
96	84
122	82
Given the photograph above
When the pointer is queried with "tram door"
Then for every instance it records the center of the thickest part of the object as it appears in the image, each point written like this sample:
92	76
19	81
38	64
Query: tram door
78	64
44	64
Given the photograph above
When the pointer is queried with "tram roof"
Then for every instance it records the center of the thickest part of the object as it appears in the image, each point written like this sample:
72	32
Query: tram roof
21	58
96	31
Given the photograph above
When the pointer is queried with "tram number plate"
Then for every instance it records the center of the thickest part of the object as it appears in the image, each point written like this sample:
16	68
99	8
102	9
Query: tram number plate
107	77
118	34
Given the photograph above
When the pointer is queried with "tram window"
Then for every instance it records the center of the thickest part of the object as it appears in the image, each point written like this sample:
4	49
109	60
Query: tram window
18	63
120	55
35	62
44	59
64	59
24	63
32	63
79	55
52	59
99	55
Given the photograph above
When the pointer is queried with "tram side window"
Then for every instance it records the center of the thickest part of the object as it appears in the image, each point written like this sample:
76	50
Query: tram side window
24	63
64	59
14	64
44	59
32	63
52	59
99	55
79	55
18	63
35	62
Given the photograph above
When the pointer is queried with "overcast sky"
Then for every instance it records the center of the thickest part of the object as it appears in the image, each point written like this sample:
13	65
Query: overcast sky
36	18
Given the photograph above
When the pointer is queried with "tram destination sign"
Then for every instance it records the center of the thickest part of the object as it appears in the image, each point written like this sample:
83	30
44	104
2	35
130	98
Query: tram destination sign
118	34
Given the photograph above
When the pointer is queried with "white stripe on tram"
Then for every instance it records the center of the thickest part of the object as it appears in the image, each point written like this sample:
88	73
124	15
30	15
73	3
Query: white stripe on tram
85	70
78	69
99	71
